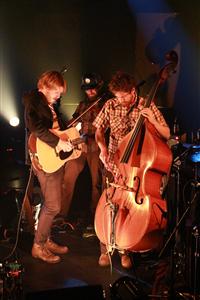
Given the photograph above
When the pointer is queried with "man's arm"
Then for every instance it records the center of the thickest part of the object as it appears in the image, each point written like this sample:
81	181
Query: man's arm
162	128
100	139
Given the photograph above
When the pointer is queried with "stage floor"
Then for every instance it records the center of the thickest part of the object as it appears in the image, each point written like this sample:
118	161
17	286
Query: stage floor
162	278
79	268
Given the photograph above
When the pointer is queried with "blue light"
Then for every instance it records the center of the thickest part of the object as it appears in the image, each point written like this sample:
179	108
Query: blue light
73	282
195	156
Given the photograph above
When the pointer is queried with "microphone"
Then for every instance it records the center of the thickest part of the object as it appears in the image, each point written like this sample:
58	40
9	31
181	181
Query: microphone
64	70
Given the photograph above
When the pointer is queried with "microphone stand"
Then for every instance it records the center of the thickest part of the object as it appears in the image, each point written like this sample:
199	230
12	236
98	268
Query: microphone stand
194	243
196	234
172	294
176	231
113	212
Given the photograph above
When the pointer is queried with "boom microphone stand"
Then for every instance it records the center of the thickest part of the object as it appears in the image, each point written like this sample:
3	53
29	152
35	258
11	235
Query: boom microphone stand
177	246
176	169
196	234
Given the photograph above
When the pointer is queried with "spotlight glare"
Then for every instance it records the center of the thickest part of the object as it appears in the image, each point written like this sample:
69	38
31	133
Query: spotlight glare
14	121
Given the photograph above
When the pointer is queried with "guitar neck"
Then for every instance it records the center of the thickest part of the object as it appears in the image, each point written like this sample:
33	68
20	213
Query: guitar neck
77	141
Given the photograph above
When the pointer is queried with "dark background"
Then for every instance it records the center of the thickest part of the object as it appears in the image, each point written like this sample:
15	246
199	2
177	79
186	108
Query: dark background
97	36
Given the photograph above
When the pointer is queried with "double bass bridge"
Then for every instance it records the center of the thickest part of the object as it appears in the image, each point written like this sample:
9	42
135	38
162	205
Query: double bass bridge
123	187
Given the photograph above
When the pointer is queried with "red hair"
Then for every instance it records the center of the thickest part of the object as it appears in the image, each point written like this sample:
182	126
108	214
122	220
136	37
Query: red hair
51	79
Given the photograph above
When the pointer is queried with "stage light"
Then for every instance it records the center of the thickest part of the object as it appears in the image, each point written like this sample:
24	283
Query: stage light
14	121
8	99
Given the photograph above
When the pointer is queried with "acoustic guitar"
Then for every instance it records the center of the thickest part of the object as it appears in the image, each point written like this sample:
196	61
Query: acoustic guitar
46	158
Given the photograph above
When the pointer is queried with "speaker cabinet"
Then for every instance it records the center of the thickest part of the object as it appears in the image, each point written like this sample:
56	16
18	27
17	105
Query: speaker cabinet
73	293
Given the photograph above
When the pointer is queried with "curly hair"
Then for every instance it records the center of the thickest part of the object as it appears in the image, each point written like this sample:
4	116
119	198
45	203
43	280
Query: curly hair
122	81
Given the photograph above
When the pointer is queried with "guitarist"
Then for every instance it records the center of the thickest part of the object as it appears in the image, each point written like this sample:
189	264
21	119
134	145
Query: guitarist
40	119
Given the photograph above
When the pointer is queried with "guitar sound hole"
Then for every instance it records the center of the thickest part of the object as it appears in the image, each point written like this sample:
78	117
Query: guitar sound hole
63	155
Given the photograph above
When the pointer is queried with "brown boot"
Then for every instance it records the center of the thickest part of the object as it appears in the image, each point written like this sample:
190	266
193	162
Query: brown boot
104	260
44	254
55	248
126	261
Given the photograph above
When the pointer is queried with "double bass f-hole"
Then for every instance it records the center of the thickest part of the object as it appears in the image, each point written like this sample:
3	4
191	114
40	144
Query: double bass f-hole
137	191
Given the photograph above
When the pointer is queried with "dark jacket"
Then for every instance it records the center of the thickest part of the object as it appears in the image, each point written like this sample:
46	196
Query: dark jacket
38	117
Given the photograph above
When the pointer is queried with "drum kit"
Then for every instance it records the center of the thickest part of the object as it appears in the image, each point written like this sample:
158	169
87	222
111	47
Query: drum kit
185	210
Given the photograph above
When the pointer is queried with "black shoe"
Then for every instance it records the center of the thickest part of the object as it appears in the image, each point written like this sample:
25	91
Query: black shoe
62	226
89	232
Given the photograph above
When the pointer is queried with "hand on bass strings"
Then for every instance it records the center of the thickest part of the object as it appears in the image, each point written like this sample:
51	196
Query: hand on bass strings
162	129
148	113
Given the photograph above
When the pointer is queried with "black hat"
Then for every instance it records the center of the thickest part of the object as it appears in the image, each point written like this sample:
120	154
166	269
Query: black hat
91	81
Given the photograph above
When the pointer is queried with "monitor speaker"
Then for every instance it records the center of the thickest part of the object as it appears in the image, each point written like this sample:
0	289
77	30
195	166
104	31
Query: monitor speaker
72	293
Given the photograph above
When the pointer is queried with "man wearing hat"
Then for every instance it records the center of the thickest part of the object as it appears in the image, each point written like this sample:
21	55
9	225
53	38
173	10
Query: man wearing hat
93	86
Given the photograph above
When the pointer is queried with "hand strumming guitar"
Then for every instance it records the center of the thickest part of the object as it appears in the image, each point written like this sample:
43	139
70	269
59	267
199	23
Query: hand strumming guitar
65	146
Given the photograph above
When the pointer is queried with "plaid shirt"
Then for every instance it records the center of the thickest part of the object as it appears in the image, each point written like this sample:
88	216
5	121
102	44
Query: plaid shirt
115	116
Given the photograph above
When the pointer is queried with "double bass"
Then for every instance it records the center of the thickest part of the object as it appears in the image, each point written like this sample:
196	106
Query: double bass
132	213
